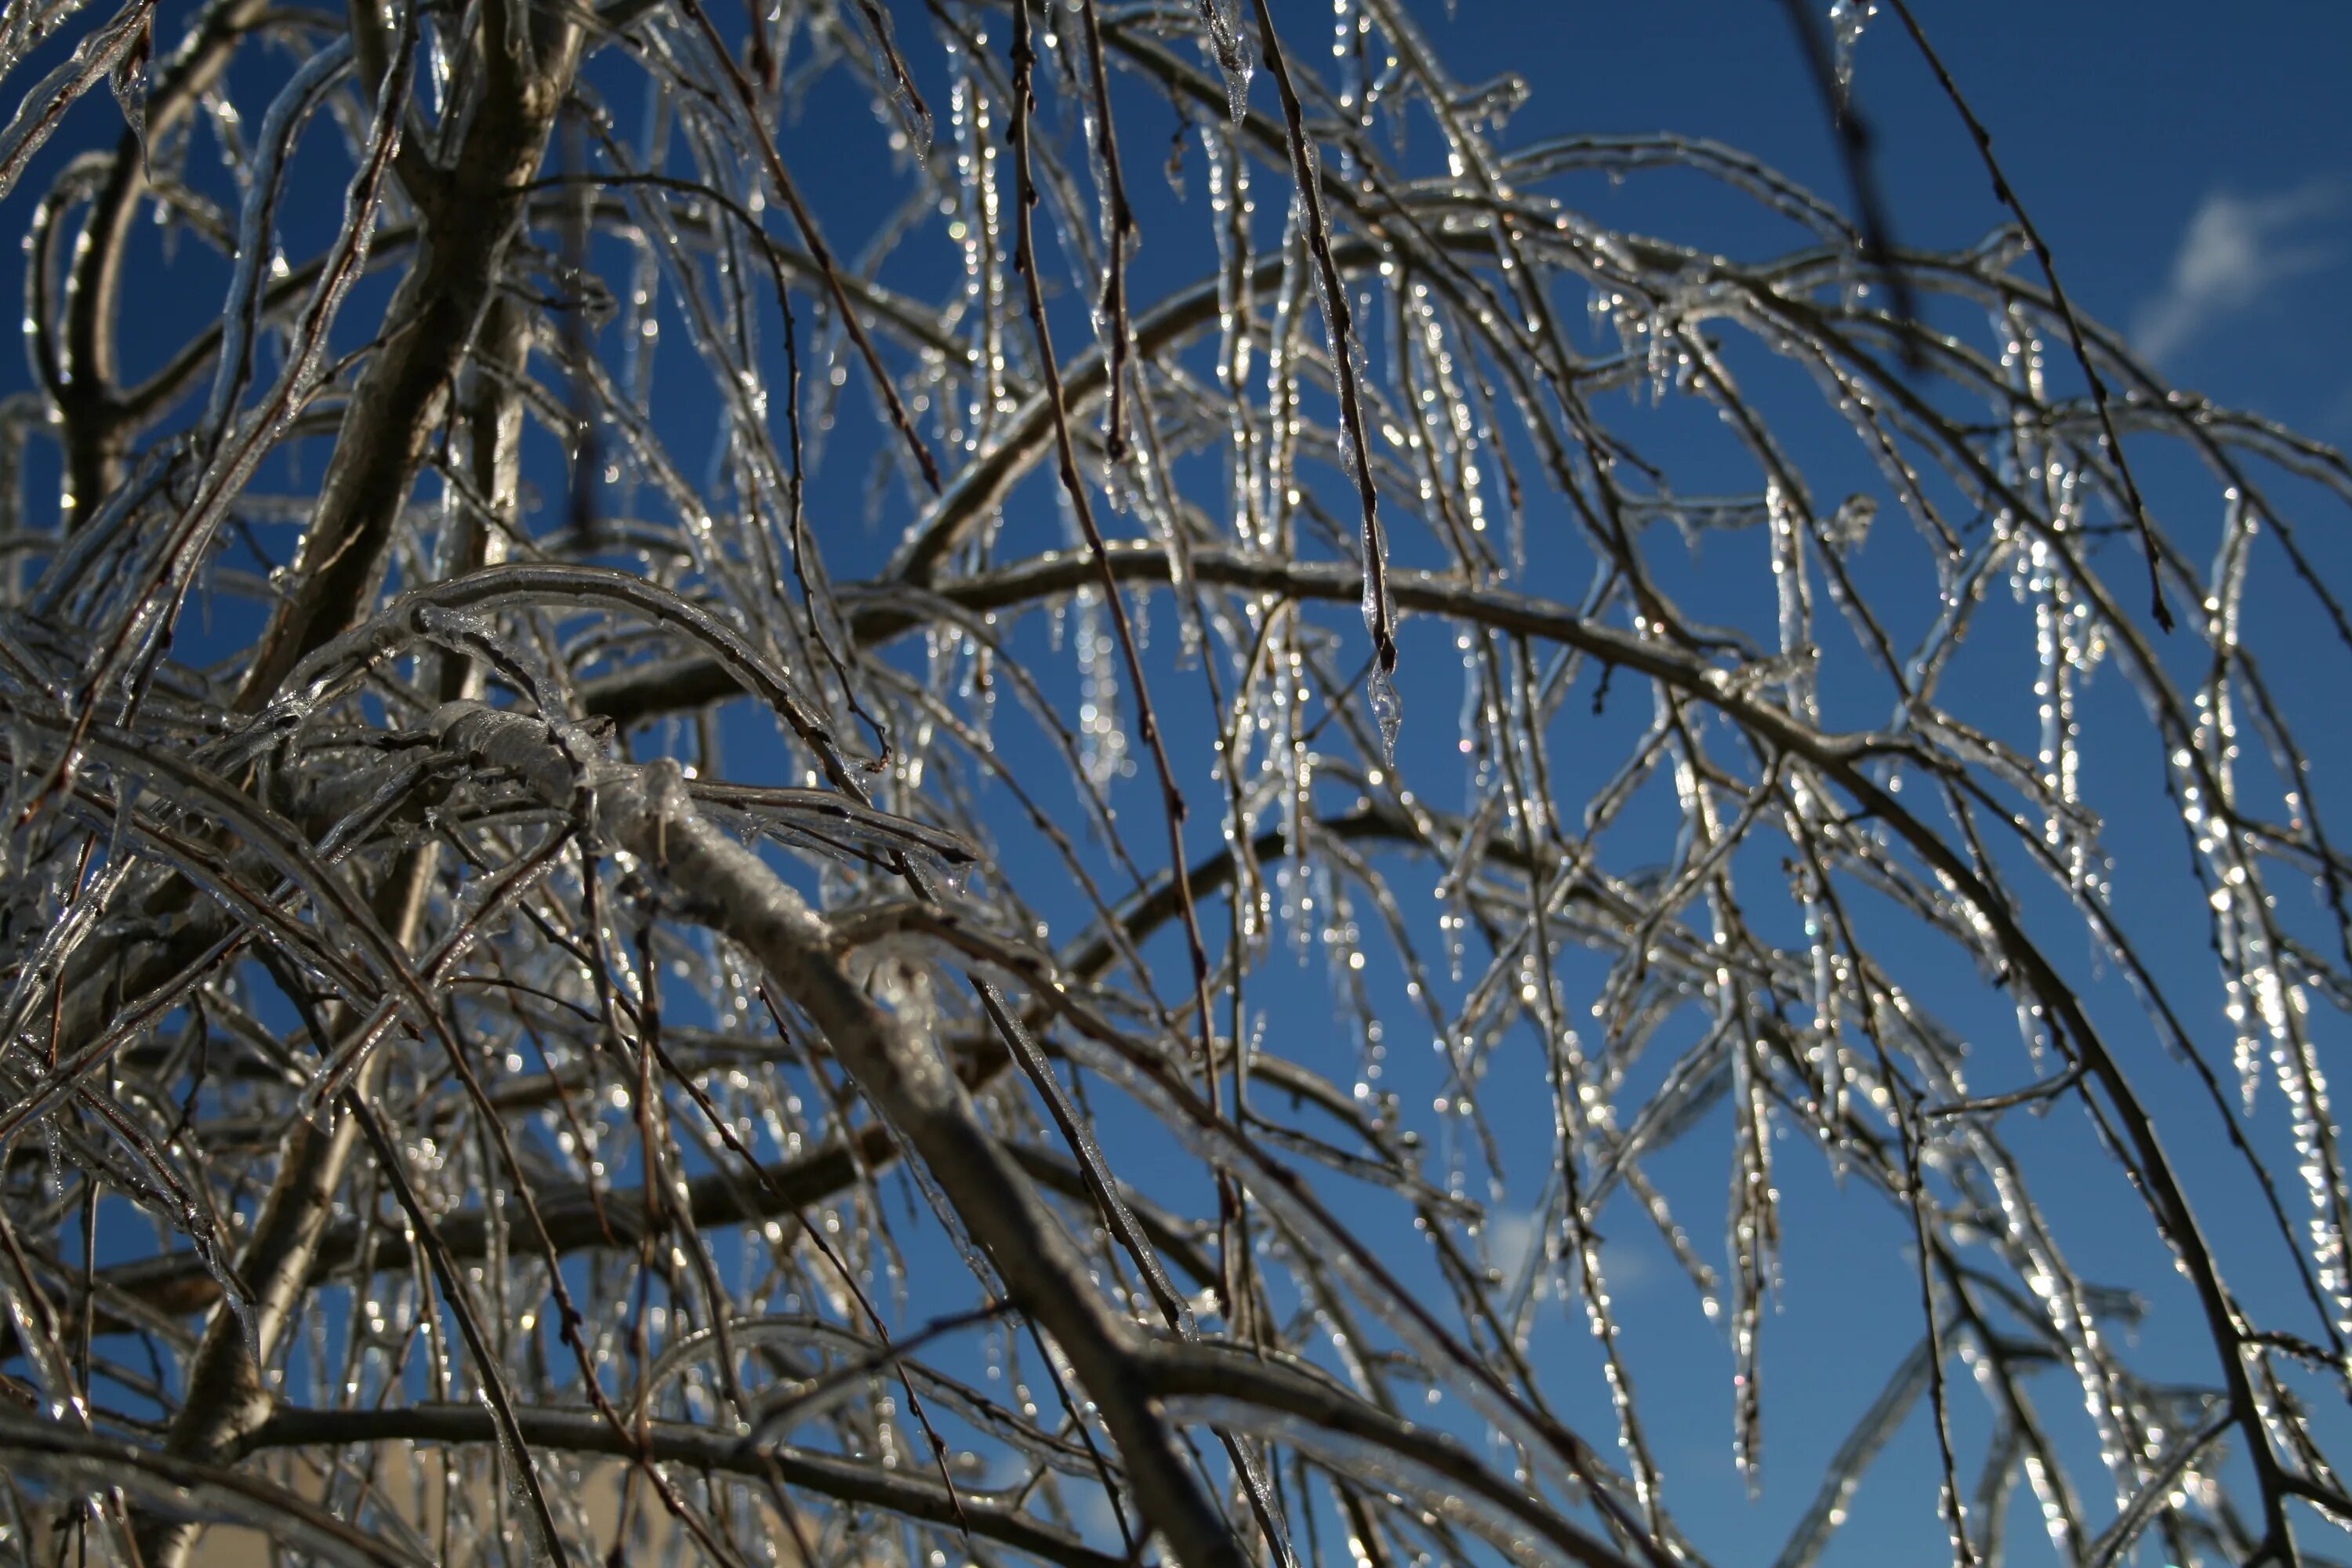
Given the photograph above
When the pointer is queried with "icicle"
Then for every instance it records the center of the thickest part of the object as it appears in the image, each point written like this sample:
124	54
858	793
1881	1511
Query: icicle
1355	460
438	62
1847	19
1231	208
881	42
514	1468
976	230
1224	44
1792	584
1388	708
1850	524
1755	1236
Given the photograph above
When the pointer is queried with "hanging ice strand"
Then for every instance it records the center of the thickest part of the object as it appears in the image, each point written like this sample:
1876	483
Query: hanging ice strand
1223	18
1348	366
1847	19
975	229
872	22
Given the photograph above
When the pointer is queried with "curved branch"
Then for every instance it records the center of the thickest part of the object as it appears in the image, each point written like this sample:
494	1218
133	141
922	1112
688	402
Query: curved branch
697	1448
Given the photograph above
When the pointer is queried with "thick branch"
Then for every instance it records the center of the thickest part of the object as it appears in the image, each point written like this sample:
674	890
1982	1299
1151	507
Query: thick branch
403	395
724	886
588	1432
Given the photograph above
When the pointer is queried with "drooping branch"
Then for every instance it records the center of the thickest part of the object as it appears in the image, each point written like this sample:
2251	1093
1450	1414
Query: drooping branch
650	1008
697	1448
908	1079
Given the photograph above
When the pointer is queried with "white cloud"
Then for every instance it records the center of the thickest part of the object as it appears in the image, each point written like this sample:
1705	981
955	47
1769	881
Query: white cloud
1513	1237
2234	251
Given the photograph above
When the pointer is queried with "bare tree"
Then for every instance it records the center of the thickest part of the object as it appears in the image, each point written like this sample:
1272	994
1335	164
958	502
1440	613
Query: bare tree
561	1006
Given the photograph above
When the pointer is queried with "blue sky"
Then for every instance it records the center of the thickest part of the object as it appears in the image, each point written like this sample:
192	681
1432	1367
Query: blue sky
2190	164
